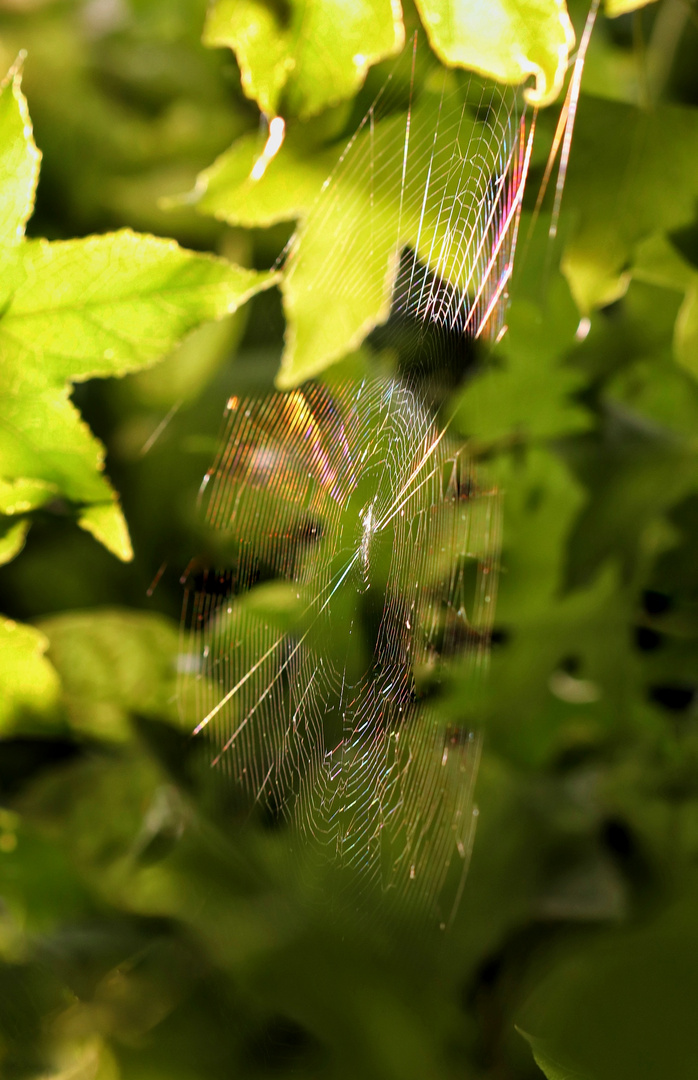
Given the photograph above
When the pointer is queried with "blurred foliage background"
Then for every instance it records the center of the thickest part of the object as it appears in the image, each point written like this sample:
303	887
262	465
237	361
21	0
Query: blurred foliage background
145	932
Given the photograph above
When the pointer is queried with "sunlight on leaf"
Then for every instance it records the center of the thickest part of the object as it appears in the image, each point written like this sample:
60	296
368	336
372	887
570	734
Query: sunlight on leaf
507	40
78	309
106	523
19	159
309	62
28	682
12	540
613	8
289	187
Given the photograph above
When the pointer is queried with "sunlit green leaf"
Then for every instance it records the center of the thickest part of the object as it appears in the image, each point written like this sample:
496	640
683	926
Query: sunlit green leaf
12	539
28	682
288	188
342	265
101	306
614	8
317	57
19	160
504	39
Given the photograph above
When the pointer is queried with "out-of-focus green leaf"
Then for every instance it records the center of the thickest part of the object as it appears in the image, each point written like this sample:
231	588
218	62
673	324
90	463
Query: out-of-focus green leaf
12	539
503	39
613	8
549	1066
622	1008
288	188
631	173
659	263
112	664
529	395
19	160
317	56
28	682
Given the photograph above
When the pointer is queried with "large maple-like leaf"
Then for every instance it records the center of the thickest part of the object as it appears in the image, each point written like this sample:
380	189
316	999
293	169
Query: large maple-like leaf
73	310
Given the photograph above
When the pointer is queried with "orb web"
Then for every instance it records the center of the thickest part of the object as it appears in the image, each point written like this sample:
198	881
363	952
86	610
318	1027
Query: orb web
359	540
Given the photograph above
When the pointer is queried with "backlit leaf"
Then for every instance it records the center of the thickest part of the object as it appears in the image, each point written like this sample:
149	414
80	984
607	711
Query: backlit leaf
318	57
28	682
507	40
19	160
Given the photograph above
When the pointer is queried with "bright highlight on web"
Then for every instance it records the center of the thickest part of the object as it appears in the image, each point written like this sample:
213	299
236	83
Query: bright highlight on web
360	540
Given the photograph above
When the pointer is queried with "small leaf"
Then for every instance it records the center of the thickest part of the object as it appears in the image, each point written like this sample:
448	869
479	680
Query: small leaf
106	523
28	682
12	540
19	159
290	185
503	39
613	8
315	58
549	1066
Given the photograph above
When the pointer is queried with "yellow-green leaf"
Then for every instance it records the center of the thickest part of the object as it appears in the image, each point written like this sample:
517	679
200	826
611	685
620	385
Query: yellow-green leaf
289	186
508	40
106	523
19	159
28	682
316	57
101	306
12	539
613	8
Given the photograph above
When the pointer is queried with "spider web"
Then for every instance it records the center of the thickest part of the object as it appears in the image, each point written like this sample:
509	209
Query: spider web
360	544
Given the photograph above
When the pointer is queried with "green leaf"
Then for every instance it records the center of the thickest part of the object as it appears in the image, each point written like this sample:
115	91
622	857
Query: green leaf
529	394
12	539
503	39
106	523
342	265
78	309
316	57
290	184
28	682
632	172
613	8
19	159
657	262
113	663
549	1065
101	306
